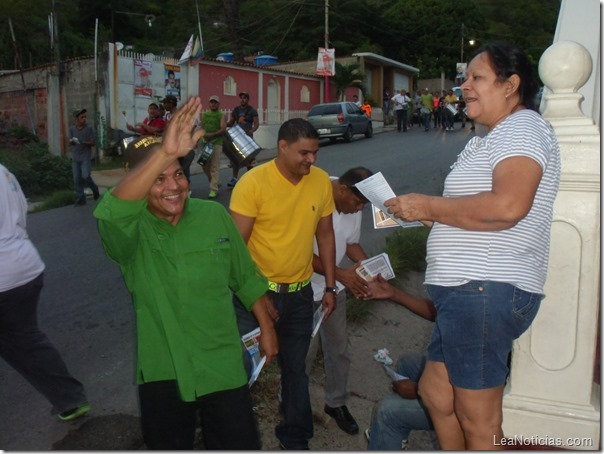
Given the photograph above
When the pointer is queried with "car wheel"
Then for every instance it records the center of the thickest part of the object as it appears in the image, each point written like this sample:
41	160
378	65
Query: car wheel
348	134
369	131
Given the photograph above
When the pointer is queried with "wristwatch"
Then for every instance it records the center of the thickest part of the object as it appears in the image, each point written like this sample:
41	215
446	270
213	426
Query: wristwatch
332	290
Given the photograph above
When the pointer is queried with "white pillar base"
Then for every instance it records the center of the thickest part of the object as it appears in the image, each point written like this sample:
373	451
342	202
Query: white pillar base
556	424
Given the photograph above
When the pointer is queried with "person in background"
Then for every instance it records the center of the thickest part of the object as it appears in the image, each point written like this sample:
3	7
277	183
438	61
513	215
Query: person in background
81	138
397	414
461	108
386	101
488	247
366	108
162	111
170	102
347	219
245	116
279	208
214	125
181	258
426	108
437	109
401	107
153	125
22	344
355	100
450	100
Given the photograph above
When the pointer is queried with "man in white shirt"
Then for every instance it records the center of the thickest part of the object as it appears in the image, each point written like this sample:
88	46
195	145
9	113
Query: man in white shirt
334	339
401	106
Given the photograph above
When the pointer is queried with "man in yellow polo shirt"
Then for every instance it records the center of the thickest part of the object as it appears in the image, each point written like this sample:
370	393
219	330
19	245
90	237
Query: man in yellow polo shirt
279	207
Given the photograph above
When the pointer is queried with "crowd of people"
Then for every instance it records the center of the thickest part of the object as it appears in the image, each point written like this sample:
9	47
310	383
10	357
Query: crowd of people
276	256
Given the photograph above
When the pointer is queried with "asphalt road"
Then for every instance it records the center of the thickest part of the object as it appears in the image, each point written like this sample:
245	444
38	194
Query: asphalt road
86	311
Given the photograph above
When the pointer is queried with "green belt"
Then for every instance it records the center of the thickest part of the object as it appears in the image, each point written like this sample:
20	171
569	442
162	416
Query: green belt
287	288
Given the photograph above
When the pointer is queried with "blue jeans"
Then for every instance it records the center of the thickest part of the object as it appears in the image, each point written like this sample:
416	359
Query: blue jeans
426	120
168	423
293	334
82	176
476	324
394	417
27	349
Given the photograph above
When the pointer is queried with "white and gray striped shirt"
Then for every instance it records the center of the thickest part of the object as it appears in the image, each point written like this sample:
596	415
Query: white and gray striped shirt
518	255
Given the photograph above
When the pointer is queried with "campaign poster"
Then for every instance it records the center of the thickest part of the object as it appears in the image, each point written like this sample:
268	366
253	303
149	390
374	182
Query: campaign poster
143	70
326	62
172	79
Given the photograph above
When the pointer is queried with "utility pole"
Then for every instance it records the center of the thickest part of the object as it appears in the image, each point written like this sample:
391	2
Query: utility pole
462	36
326	47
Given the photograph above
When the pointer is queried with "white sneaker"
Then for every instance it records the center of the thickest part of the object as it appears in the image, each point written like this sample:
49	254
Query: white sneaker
367	434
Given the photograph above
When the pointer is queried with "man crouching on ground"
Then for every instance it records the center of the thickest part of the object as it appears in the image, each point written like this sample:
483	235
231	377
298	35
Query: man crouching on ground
180	259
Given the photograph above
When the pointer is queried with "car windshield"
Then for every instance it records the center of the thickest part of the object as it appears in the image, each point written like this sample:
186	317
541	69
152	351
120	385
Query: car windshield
325	109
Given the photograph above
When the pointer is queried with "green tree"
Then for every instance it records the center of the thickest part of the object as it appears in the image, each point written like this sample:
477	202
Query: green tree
348	76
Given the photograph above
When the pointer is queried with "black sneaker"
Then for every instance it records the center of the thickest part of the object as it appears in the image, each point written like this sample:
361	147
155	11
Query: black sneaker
80	202
96	194
344	419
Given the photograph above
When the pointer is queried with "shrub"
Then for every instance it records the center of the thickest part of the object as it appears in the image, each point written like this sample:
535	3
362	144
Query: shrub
38	171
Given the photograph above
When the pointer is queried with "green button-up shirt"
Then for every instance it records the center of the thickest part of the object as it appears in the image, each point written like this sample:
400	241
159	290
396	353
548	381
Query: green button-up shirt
180	279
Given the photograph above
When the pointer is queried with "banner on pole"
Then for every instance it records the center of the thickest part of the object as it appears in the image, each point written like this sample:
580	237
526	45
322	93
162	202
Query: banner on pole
326	62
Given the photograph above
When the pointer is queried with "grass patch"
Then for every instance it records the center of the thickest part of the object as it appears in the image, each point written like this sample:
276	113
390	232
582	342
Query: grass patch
57	199
357	310
406	249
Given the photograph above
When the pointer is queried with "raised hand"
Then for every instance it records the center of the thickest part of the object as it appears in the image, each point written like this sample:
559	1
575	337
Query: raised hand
180	136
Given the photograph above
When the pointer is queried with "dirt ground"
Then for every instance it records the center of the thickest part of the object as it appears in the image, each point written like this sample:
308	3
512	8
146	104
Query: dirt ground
387	326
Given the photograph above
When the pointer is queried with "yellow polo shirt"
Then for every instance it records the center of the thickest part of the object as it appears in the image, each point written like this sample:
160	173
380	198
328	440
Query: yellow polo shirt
286	218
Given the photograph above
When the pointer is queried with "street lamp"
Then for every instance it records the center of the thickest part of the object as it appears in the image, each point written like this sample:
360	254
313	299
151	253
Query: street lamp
149	18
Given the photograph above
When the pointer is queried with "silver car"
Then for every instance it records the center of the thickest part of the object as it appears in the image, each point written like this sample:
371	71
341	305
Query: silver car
340	119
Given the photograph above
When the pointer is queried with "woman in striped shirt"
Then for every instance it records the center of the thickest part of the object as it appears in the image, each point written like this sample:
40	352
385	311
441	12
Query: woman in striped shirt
487	252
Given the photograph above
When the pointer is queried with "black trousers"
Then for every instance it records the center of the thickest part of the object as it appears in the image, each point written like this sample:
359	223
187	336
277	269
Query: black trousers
168	423
401	117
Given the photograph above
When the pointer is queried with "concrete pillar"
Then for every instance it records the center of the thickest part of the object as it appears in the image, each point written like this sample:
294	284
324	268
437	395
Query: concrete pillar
551	394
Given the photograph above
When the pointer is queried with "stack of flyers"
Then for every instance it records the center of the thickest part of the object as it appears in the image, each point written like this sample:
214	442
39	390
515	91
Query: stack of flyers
251	341
380	264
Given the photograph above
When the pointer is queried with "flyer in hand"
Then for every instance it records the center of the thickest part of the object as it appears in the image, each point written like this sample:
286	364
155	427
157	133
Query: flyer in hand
380	264
251	341
377	190
317	319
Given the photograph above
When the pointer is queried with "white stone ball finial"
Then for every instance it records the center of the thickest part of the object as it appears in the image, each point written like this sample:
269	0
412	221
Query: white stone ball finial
565	67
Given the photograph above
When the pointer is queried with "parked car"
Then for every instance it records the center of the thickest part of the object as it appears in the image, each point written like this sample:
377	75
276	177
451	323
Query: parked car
339	119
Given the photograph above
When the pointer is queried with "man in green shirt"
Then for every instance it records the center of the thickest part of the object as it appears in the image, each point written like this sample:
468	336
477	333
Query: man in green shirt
214	124
180	259
426	109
